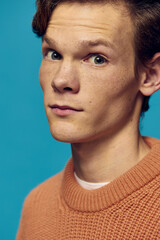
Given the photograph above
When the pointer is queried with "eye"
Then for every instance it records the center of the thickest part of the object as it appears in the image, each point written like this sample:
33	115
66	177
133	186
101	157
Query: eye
97	59
53	55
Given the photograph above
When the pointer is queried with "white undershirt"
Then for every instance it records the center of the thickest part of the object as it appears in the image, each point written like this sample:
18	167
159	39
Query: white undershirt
89	185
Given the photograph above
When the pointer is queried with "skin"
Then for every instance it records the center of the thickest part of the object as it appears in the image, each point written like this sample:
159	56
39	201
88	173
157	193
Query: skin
104	136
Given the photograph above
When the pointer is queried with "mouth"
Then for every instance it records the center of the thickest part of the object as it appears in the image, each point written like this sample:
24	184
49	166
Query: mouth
63	110
64	107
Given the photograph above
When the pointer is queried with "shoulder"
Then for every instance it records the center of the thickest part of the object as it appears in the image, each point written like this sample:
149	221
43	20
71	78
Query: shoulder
48	189
37	202
151	141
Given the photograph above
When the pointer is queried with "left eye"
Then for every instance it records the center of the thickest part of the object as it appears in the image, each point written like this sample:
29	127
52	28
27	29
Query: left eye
97	59
53	55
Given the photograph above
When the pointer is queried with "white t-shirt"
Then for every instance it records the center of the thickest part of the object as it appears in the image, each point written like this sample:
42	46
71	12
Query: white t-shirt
89	185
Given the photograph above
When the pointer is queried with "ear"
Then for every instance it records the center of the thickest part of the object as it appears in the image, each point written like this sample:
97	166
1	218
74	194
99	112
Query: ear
150	82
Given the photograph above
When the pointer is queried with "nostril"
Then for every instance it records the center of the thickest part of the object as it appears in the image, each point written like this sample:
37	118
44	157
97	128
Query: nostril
68	88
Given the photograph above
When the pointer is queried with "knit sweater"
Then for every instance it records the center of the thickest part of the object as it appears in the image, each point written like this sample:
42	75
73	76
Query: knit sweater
125	209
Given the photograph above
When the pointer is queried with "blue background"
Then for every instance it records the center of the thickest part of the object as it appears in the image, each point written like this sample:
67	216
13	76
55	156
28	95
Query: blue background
28	153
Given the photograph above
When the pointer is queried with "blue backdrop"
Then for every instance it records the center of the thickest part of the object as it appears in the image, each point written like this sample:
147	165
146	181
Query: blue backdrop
28	153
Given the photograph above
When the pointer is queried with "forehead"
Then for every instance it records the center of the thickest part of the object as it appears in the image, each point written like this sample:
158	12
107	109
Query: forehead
85	21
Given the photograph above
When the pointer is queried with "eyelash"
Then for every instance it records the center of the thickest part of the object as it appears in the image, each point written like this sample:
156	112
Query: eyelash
46	51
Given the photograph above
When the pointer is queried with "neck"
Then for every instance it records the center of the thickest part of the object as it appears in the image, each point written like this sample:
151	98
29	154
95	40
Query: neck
107	158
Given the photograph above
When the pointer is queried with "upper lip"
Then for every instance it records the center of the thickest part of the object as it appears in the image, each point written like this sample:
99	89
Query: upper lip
64	107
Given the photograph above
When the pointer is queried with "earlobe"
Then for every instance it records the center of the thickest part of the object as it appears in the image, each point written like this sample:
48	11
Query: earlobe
150	83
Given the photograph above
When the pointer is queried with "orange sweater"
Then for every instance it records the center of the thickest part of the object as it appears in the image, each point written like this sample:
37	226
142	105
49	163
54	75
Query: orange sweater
127	208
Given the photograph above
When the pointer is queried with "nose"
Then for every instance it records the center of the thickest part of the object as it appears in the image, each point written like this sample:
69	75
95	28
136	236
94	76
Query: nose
66	79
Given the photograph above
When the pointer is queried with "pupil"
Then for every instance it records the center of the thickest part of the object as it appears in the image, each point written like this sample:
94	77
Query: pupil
55	55
99	59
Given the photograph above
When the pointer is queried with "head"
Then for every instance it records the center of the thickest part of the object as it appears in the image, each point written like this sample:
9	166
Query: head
120	75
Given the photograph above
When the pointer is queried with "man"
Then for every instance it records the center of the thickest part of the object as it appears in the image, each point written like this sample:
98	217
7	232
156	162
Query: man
101	62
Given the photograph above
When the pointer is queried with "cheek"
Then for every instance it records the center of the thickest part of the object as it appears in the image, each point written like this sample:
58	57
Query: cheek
42	76
110	84
110	93
45	77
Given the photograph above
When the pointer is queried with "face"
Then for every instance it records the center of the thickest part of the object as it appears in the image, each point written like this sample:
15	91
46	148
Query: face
88	65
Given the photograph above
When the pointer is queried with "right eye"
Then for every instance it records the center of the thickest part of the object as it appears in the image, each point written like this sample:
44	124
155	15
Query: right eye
53	55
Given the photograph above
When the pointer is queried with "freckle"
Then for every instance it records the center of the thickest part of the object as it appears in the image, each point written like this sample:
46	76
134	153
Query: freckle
90	101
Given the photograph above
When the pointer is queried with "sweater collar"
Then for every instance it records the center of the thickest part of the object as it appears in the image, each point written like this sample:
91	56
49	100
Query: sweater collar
135	178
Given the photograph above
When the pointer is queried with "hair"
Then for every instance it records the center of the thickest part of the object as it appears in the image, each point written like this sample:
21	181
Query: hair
145	15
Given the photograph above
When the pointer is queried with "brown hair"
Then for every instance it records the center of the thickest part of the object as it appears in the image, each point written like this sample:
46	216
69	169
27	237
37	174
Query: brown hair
145	15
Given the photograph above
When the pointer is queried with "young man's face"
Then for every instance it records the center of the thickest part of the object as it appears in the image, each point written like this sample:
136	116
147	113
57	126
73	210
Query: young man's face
96	78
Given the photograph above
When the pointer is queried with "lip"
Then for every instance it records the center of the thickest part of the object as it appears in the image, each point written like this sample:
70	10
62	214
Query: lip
63	110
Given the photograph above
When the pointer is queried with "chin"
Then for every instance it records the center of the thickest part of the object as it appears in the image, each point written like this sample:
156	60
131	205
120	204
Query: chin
72	135
62	138
68	135
64	134
67	139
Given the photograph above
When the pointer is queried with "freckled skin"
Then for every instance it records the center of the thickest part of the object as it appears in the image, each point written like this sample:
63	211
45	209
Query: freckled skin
113	84
108	94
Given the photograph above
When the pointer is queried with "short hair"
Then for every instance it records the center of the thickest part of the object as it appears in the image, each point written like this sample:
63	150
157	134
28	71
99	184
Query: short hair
145	15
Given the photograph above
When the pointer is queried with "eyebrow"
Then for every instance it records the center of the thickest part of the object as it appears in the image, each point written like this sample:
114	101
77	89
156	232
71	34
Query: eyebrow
84	43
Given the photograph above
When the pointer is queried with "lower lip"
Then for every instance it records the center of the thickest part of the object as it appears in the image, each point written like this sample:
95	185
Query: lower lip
63	112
